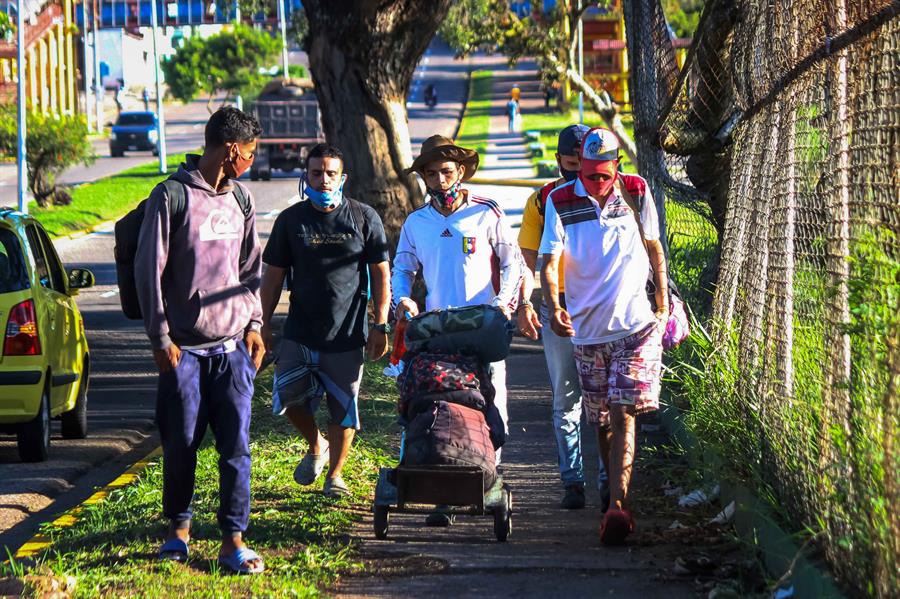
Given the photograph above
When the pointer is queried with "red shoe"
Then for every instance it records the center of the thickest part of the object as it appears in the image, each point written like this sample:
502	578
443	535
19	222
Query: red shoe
616	525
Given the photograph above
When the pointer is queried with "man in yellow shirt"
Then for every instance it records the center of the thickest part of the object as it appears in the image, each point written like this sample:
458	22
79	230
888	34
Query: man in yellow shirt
557	350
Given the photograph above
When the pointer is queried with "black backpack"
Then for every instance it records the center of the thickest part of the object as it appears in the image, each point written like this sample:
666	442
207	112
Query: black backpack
128	229
451	434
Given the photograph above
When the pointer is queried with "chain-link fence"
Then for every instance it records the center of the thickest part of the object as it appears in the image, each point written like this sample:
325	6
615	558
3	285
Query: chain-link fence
785	123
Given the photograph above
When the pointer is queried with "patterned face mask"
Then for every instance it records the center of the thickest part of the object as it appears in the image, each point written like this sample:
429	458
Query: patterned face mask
445	199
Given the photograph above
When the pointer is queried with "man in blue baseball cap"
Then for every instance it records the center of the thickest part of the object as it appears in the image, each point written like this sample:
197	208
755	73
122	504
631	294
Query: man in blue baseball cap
557	350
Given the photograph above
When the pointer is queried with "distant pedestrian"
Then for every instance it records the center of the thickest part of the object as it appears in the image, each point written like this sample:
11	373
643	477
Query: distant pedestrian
203	318
556	88
120	96
558	350
331	245
608	242
512	114
145	96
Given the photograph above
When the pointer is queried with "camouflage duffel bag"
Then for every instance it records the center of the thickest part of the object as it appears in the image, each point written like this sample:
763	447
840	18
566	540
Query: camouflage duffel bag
480	330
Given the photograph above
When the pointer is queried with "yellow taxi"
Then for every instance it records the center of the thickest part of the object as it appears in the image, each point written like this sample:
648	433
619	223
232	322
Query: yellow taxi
45	363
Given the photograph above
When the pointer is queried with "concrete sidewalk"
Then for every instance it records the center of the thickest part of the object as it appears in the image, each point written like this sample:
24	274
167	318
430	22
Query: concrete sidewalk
507	155
551	553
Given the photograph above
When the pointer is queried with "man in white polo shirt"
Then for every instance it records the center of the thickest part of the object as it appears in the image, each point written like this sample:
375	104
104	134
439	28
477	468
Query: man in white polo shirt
609	250
453	239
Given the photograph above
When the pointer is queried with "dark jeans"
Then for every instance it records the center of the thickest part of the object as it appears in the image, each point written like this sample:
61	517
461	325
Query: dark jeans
215	390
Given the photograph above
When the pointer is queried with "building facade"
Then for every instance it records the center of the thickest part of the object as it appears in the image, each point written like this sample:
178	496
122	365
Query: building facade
50	67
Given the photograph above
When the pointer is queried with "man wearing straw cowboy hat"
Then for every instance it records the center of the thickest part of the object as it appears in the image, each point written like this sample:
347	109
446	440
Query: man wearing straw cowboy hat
453	239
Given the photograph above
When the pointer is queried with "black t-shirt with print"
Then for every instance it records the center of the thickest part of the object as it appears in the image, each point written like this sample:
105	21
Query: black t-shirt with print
327	257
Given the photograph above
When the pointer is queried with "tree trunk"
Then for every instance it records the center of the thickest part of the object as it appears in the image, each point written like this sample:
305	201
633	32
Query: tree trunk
362	56
607	110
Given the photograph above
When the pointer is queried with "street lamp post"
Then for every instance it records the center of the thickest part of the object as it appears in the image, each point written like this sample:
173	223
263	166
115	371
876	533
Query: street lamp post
21	166
580	62
282	21
87	64
160	116
238	99
98	84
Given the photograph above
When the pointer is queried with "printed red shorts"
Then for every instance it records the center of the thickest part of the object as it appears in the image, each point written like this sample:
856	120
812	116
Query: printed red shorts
627	372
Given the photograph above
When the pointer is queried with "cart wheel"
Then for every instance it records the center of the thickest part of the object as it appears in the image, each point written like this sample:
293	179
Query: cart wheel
254	174
382	517
265	175
503	518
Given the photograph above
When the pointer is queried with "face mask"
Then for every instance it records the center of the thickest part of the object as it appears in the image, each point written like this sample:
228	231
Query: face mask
569	176
323	199
445	199
600	190
238	166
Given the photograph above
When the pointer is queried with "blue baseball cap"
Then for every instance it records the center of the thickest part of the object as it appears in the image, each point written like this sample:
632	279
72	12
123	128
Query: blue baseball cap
569	142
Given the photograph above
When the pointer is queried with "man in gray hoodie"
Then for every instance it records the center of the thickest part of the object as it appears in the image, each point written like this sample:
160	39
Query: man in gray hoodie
197	271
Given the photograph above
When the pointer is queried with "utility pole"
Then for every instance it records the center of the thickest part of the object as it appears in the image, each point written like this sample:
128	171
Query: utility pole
282	21
238	99
160	116
580	62
21	165
87	64
98	84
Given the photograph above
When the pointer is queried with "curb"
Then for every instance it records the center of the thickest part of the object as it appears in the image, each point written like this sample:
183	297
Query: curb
781	557
41	541
465	103
83	232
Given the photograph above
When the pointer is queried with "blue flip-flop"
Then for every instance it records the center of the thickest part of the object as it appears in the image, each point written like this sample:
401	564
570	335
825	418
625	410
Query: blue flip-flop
174	550
238	562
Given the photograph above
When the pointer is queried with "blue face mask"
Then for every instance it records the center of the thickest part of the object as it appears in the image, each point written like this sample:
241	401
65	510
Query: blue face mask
322	199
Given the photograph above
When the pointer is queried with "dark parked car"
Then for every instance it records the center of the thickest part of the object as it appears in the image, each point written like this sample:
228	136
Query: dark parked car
134	131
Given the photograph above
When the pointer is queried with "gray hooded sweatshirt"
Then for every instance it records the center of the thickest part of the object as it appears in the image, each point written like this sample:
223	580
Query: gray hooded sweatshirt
192	290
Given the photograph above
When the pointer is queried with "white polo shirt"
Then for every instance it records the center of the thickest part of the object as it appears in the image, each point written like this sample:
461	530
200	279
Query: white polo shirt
606	264
455	254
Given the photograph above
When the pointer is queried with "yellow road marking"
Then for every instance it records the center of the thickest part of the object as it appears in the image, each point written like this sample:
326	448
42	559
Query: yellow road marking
40	541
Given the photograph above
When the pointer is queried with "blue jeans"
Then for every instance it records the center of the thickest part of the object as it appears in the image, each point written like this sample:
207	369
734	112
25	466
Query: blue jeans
214	390
566	404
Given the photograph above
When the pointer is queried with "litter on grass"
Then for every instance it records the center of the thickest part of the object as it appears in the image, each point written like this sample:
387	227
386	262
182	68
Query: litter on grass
725	516
698	497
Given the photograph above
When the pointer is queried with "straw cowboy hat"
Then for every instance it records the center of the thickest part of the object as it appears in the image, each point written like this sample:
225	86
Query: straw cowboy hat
438	148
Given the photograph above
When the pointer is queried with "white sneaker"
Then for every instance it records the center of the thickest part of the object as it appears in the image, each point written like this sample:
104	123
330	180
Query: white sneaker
311	466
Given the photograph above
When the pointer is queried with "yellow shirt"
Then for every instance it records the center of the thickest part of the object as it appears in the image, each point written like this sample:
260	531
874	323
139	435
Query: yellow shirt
532	229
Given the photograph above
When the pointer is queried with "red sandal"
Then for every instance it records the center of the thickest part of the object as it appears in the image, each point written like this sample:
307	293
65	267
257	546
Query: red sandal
616	525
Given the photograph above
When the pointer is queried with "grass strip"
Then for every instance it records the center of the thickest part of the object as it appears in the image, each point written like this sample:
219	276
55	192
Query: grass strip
104	199
301	535
475	125
551	123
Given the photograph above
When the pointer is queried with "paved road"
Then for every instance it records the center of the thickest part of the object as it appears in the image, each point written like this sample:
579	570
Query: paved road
184	131
123	383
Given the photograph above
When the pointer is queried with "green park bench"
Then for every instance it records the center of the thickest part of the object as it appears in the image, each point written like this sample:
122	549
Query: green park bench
547	169
537	149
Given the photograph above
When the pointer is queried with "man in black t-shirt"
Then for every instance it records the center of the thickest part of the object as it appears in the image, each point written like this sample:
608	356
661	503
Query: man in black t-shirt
331	245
